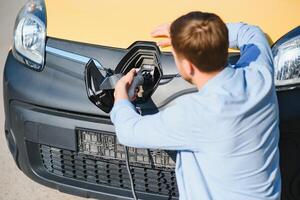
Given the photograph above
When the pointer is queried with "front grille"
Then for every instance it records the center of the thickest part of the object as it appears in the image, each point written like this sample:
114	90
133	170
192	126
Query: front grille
110	172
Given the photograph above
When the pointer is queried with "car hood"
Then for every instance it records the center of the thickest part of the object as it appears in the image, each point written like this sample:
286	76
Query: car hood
120	23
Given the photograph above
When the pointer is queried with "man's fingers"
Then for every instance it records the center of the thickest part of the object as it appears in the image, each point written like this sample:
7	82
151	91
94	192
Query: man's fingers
164	43
161	31
128	78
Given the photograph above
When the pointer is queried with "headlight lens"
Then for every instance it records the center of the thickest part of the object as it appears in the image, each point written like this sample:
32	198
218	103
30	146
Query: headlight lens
30	34
287	62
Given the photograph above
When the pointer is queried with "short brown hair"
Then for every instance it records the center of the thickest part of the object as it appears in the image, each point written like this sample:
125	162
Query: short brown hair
201	38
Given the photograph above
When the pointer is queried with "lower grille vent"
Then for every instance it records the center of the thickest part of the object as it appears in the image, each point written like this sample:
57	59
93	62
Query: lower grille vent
108	172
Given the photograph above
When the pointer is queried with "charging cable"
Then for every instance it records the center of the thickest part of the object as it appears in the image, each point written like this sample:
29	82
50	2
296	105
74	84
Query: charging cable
138	109
129	173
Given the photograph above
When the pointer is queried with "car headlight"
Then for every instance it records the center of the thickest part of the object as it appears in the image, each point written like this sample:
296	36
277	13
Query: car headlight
30	34
287	62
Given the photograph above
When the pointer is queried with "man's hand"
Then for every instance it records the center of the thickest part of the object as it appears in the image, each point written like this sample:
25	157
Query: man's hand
162	31
122	86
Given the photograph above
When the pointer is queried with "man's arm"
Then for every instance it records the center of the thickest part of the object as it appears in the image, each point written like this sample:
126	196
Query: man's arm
164	130
254	47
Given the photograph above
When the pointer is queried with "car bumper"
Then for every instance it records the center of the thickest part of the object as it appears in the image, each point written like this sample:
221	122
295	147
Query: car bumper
36	129
43	142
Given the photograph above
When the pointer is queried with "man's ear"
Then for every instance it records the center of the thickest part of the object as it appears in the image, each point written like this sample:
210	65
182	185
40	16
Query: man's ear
188	67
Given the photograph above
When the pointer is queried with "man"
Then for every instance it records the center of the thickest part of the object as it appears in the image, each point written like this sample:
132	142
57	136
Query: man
227	133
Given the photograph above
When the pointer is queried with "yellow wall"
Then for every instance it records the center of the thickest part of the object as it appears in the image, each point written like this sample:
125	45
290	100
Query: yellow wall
119	23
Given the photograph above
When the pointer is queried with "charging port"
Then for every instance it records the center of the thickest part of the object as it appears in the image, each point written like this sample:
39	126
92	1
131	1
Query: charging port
144	56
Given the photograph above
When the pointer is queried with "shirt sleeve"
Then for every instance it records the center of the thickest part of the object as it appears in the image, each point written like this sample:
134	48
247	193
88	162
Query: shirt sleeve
163	130
254	48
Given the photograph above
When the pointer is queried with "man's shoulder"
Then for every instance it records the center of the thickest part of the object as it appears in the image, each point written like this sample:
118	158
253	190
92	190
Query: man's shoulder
259	71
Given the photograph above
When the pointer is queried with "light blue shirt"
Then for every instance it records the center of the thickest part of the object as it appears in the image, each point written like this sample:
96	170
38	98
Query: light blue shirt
226	134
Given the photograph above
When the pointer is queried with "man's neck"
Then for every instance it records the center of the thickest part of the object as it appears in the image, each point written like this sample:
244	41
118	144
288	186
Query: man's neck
201	78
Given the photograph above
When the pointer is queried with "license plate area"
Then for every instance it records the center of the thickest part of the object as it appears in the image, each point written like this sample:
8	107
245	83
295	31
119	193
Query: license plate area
104	145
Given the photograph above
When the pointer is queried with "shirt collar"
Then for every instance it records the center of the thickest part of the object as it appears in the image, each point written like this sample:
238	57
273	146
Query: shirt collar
217	80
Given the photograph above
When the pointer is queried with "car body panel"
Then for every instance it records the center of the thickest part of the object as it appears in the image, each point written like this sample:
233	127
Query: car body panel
120	23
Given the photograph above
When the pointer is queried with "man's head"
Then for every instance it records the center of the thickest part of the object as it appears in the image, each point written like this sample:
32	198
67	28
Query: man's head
200	43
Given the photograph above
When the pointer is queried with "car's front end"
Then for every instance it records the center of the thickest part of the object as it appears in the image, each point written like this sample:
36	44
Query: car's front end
60	139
